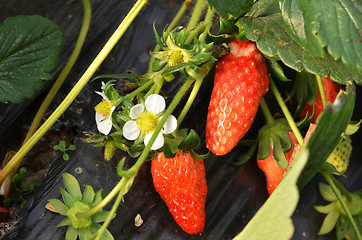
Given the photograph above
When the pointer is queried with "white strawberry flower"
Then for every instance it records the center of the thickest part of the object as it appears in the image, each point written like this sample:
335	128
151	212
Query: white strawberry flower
104	112
145	119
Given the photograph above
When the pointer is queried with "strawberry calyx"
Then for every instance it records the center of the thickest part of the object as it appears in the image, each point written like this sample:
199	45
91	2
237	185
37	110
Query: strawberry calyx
275	136
185	140
177	54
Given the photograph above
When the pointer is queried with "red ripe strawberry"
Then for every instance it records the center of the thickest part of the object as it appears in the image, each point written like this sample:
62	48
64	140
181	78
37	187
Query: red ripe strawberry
181	183
241	80
273	173
331	89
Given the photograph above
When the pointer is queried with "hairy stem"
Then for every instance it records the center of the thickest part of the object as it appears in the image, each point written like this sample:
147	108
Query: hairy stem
208	22
286	112
196	14
75	91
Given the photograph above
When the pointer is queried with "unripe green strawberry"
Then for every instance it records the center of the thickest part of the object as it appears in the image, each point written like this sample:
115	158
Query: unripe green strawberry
181	183
339	158
241	80
109	149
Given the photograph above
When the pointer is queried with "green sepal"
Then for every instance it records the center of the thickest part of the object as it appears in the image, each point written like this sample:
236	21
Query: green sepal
246	156
227	26
88	194
71	234
278	153
192	141
59	206
200	156
98	197
85	233
264	148
329	168
67	198
305	87
72	186
65	222
119	76
327	192
276	70
168	152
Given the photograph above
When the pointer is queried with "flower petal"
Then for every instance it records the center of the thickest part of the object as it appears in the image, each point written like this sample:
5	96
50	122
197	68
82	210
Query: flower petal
103	86
131	130
136	110
155	103
104	124
170	125
103	95
158	142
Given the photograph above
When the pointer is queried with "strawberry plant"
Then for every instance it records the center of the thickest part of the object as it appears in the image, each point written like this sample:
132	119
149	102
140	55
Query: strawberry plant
277	77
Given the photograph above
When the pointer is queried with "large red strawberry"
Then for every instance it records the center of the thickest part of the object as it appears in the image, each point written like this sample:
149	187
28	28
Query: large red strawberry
331	89
273	172
181	183
241	80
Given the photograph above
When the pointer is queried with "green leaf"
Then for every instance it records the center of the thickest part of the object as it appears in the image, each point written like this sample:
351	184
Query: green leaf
65	222
275	40
335	23
72	147
236	8
276	70
56	147
72	186
101	216
85	233
29	50
98	197
67	198
65	156
278	209
88	194
331	123
59	206
71	233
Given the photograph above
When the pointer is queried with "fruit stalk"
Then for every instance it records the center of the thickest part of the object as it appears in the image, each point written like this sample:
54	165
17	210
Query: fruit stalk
286	112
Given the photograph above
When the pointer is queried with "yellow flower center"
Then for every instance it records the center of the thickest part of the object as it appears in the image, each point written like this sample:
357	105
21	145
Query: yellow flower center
104	108
176	56
147	122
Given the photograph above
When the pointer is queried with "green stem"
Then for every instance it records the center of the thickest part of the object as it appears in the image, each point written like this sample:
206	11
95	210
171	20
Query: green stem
189	102
341	188
196	14
321	91
175	20
111	213
75	91
194	33
120	185
133	170
208	22
145	86
266	111
286	112
63	75
330	181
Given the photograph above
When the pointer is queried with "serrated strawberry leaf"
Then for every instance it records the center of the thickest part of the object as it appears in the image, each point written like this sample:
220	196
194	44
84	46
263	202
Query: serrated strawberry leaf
276	40
235	8
29	50
331	123
335	23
